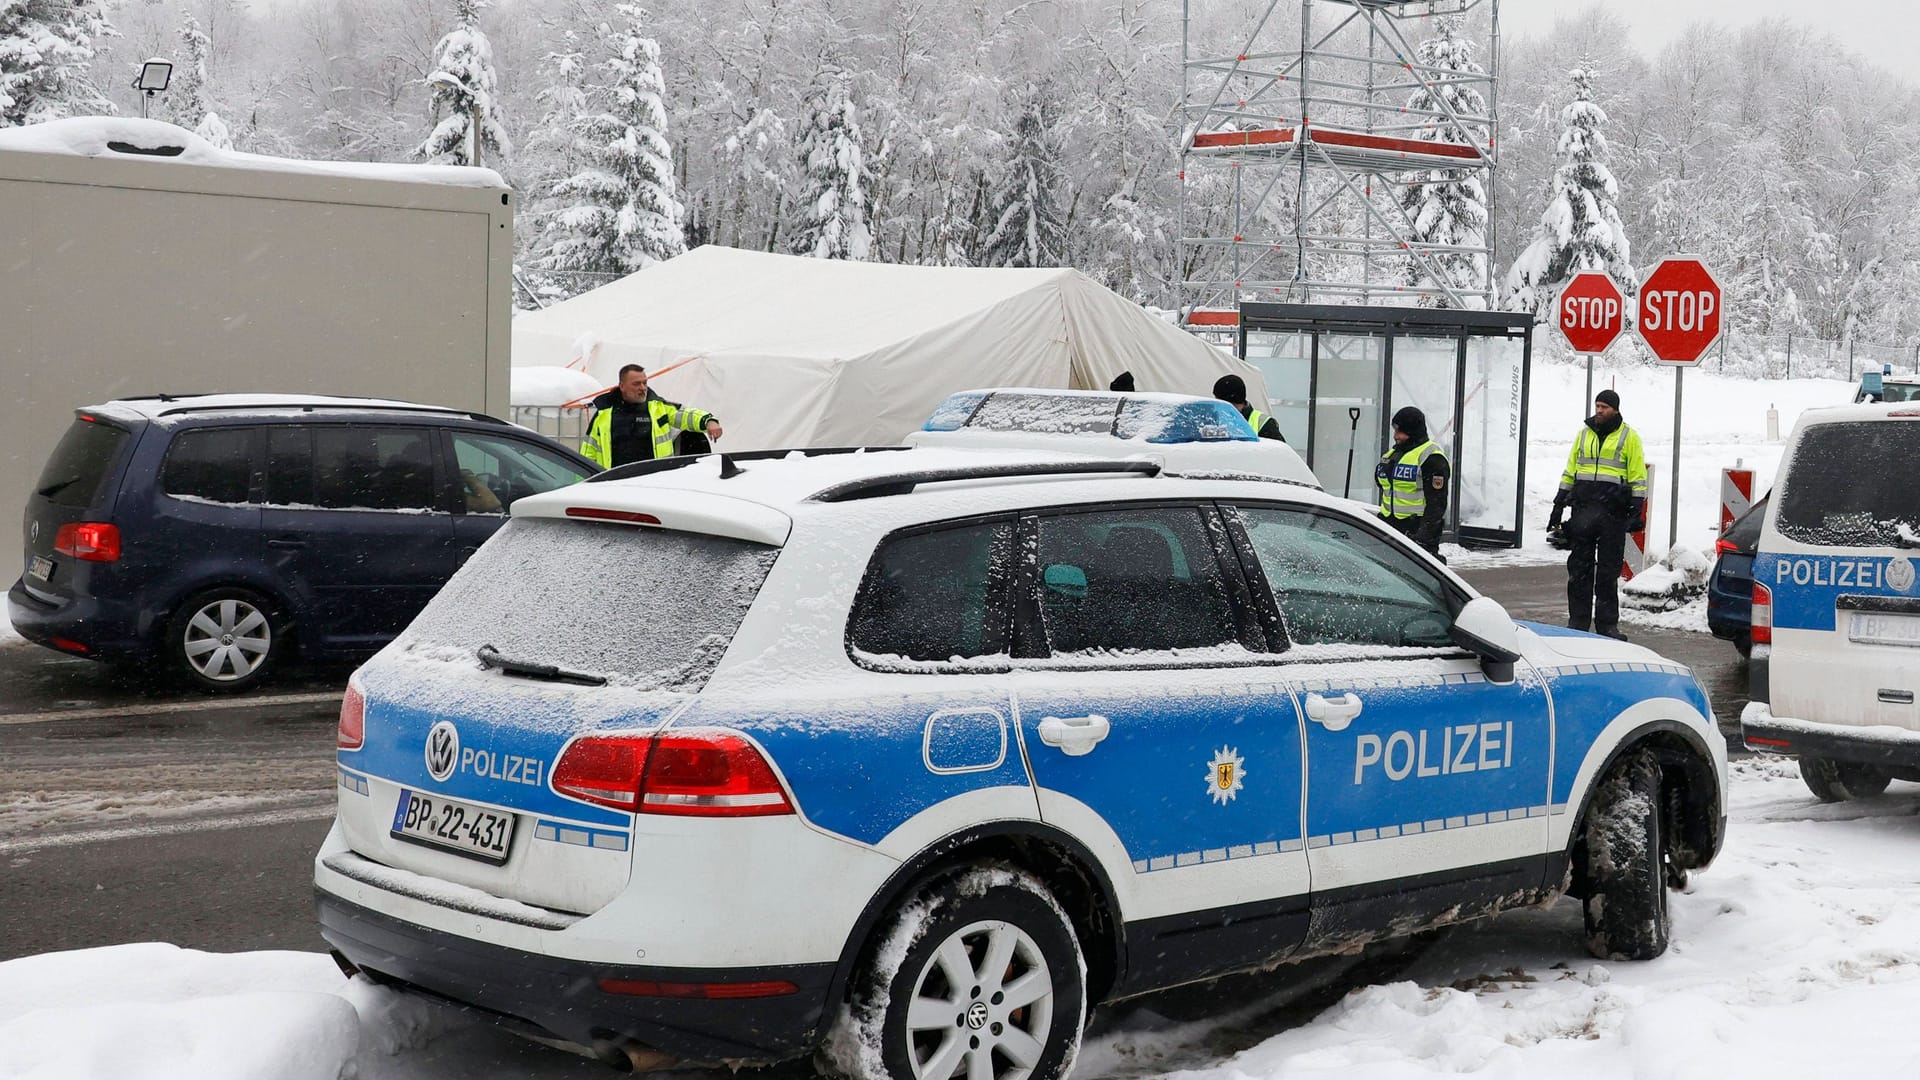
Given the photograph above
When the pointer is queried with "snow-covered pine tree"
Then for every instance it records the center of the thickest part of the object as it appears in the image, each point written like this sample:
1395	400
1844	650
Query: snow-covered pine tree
1027	227
620	212
187	98
1580	229
1448	207
44	49
466	105
833	173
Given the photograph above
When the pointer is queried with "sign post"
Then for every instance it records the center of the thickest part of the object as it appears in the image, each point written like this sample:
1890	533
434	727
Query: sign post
1680	311
1592	313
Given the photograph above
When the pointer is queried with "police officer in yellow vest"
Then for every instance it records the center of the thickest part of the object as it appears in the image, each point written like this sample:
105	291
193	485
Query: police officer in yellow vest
1605	484
630	424
1232	389
1414	480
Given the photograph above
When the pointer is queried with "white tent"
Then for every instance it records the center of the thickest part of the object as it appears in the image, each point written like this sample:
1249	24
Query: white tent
789	351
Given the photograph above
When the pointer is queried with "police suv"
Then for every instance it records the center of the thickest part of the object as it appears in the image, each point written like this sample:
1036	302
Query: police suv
1836	611
911	757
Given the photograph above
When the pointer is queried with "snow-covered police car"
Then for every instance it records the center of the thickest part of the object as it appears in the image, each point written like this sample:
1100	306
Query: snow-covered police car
913	757
1187	434
1836	615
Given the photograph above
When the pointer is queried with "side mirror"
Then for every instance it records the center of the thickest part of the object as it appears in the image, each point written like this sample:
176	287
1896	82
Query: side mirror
1067	580
1484	628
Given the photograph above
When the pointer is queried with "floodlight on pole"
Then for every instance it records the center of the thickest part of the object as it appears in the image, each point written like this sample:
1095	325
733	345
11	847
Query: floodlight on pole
155	74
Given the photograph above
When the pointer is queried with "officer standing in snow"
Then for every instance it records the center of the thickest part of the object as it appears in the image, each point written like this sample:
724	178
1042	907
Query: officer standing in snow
1232	389
1413	478
631	423
1605	485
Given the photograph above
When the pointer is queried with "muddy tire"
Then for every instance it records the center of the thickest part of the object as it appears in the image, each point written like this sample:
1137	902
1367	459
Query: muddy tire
1627	916
1839	781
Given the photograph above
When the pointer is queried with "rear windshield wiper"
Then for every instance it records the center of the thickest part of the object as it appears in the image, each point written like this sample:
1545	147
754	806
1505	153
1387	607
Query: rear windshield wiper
490	658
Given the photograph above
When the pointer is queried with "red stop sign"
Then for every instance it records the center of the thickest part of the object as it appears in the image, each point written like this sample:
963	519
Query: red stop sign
1680	311
1591	311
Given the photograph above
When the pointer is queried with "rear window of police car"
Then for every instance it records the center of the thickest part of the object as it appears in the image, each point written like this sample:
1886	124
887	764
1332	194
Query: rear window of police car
651	609
1846	487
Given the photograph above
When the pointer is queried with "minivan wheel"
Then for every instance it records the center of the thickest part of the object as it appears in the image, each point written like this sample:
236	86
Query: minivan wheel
977	975
223	639
1838	781
1626	907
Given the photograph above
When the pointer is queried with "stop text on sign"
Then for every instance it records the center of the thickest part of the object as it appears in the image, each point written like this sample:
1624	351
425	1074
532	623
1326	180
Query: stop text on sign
1684	310
1590	312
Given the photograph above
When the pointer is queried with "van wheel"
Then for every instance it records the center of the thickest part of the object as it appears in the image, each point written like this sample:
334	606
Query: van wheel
223	640
1838	781
1626	908
977	975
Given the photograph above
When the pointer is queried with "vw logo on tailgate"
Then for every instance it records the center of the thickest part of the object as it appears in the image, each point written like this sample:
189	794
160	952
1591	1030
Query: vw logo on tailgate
443	750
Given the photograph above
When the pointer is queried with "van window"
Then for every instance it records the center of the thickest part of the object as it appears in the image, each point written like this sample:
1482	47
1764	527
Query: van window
934	595
1846	486
213	464
373	468
79	464
651	609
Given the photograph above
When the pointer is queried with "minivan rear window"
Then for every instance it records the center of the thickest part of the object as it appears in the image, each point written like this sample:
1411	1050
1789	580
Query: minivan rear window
79	464
1846	487
650	609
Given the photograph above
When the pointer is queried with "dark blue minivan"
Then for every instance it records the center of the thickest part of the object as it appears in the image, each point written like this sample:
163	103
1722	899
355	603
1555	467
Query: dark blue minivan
217	534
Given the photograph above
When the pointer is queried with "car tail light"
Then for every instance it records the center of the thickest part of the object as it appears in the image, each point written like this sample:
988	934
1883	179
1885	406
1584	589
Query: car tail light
1762	614
597	514
90	541
1724	546
353	718
691	773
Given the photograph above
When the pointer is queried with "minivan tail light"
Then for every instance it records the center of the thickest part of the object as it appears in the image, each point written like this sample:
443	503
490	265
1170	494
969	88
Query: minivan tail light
89	541
694	773
353	718
1762	629
1724	546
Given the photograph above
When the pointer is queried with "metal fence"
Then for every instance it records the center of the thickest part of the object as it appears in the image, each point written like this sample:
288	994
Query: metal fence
566	425
1763	356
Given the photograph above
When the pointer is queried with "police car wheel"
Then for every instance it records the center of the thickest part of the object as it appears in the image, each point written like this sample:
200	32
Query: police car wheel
1839	781
1626	906
979	974
223	640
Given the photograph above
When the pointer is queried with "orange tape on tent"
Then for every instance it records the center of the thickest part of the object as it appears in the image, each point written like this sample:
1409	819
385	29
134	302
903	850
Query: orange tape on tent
582	401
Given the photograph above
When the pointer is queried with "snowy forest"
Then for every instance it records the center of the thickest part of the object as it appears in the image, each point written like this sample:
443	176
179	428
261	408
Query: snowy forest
1004	132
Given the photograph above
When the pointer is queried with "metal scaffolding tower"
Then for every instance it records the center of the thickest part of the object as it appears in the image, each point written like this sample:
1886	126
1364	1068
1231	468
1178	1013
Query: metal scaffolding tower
1295	156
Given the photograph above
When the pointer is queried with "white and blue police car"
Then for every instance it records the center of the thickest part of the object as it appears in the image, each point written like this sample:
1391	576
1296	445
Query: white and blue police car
1836	610
910	758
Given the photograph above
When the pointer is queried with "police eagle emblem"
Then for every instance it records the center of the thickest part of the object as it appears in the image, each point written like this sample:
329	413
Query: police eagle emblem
1226	774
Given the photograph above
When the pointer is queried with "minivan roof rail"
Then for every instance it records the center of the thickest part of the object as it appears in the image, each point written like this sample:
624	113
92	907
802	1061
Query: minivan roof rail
368	405
727	460
873	487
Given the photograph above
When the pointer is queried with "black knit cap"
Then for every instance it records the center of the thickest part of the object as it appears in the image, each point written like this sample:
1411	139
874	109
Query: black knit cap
1608	398
1231	389
1411	421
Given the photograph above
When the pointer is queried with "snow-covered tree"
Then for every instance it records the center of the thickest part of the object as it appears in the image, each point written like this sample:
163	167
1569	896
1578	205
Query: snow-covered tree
45	46
1028	228
620	212
1580	229
188	102
466	103
834	179
1448	207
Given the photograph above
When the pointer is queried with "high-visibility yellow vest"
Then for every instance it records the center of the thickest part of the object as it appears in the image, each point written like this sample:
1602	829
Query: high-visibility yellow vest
1256	418
1400	492
597	447
1616	459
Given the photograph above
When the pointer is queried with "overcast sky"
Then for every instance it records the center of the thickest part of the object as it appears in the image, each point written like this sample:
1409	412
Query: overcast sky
1884	31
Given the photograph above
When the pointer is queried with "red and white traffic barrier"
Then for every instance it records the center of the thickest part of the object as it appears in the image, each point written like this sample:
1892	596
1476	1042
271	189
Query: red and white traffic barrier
1636	553
1736	495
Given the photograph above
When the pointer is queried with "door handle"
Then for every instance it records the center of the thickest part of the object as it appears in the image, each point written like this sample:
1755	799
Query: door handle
286	543
1074	735
1333	713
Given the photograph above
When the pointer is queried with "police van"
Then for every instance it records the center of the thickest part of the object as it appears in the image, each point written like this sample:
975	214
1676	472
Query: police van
910	758
1836	611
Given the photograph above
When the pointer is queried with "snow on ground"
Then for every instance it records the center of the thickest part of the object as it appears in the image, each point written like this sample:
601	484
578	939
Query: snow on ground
9	636
1797	954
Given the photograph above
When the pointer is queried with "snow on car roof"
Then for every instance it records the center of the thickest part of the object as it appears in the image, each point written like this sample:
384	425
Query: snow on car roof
157	406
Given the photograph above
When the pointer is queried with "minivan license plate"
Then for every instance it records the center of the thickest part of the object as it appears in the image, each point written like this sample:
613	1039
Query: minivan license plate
459	827
40	567
1875	628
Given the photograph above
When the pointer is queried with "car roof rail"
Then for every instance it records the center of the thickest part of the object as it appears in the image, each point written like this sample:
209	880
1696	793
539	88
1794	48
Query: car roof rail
728	461
369	405
874	487
1237	474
